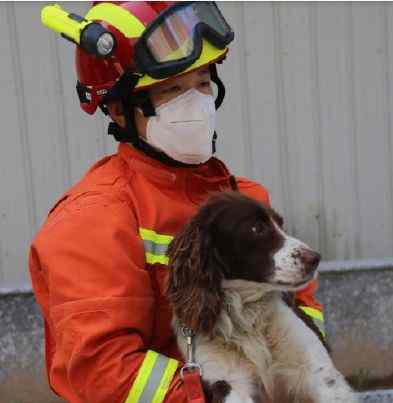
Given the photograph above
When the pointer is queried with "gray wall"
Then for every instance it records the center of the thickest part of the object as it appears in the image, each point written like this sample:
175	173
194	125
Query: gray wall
308	114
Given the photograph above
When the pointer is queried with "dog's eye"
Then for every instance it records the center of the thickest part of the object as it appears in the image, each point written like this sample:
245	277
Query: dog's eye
258	229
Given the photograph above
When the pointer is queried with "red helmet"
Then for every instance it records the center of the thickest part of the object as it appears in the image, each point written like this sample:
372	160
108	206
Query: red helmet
150	24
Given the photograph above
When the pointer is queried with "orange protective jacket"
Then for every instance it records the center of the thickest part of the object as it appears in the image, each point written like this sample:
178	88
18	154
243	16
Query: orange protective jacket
98	266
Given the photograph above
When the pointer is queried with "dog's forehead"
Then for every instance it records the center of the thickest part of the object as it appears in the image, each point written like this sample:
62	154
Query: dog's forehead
237	207
250	208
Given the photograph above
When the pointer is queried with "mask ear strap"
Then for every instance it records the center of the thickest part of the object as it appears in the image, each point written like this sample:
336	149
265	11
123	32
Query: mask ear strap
219	83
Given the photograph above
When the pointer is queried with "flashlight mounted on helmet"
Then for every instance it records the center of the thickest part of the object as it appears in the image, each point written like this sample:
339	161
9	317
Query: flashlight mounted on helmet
91	36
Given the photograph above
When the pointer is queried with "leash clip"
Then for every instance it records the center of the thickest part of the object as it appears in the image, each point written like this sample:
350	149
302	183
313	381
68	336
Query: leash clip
190	364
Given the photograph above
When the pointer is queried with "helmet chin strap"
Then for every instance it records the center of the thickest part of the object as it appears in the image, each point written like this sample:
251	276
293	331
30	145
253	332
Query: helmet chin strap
123	91
220	85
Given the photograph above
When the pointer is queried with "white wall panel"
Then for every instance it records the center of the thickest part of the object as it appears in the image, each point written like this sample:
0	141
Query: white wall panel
372	129
388	38
263	79
339	192
301	116
232	120
17	207
43	109
308	114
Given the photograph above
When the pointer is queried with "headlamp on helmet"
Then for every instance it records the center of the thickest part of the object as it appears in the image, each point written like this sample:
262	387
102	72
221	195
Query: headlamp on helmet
91	36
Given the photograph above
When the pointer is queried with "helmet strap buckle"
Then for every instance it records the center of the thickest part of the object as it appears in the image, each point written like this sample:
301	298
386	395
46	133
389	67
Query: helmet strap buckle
84	93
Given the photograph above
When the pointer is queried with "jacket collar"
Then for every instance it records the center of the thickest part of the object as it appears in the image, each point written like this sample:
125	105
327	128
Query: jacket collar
213	175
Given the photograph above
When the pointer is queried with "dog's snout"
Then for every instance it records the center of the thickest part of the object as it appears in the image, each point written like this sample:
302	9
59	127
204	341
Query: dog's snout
310	260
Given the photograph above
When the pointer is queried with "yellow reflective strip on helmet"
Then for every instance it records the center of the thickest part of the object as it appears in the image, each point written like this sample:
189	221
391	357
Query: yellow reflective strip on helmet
151	259
117	16
142	377
165	381
150	235
209	54
314	313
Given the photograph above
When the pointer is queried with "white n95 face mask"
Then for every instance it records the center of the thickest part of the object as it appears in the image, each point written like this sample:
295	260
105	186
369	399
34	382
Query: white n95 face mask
183	128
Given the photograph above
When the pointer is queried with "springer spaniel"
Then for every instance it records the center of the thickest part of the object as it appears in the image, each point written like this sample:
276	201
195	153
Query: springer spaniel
230	266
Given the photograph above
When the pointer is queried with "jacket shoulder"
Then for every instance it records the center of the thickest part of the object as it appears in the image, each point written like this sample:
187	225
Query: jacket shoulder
253	189
104	182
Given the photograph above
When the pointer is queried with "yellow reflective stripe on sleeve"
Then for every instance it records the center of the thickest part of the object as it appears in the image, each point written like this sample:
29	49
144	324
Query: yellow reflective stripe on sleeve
150	235
153	380
151	259
117	16
142	377
316	316
155	245
165	381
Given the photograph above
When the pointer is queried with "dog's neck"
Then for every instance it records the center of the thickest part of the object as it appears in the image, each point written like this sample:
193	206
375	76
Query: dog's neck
249	291
247	305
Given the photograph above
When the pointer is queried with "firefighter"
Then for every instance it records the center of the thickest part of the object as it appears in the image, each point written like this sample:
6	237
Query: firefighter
98	263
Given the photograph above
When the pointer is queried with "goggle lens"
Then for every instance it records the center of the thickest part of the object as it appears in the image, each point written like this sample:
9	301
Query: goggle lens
173	39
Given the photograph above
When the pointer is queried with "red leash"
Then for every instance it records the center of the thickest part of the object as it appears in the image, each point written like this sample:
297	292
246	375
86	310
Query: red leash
191	373
193	386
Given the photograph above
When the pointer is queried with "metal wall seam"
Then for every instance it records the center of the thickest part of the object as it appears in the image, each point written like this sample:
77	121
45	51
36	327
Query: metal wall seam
316	113
355	170
282	123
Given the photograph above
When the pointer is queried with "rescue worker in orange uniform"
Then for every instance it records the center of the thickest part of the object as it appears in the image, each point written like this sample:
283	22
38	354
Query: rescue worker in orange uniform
98	263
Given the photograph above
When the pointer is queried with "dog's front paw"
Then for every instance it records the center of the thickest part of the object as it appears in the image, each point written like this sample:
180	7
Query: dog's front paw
216	392
222	392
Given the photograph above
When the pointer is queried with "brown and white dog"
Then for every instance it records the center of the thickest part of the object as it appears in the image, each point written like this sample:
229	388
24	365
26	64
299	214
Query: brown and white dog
229	268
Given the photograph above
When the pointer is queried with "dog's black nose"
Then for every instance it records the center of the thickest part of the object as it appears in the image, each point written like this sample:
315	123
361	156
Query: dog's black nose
310	259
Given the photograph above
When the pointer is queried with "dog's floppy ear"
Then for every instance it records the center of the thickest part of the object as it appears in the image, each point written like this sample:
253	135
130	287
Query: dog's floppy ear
195	275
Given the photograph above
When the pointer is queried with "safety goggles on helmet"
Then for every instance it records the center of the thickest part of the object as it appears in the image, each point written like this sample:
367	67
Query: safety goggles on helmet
173	41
